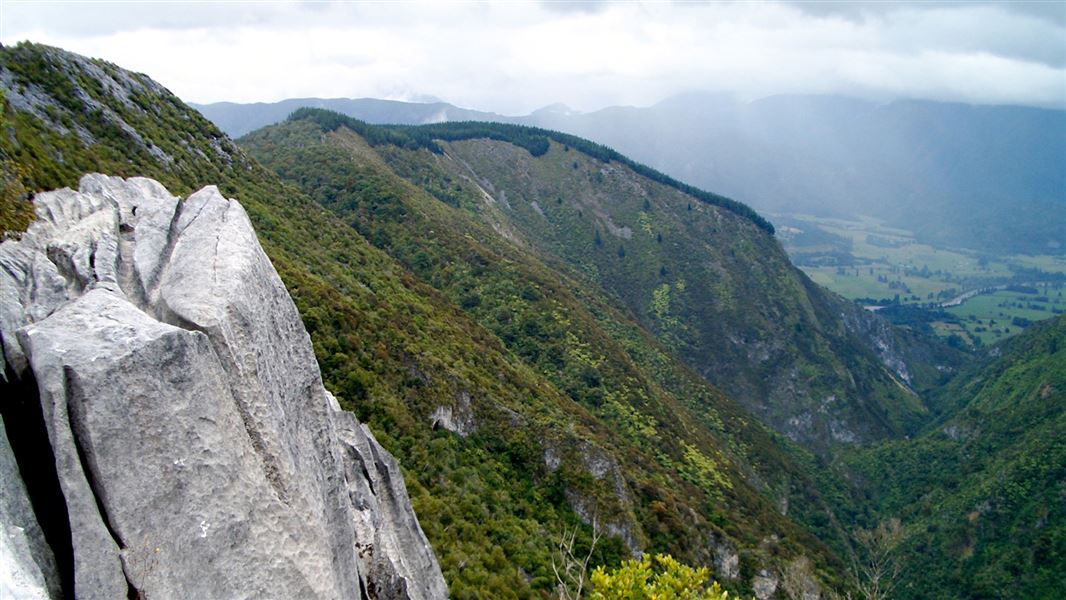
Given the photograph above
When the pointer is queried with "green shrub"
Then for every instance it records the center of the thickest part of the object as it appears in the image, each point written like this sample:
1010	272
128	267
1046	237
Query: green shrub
658	578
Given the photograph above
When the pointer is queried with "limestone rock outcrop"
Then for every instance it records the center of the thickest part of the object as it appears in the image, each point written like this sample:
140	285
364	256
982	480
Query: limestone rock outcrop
168	419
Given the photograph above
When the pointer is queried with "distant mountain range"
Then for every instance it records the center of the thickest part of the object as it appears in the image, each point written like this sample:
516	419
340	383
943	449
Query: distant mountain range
238	119
989	178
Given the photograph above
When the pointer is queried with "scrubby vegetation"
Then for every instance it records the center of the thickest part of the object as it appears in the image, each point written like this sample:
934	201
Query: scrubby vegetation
543	449
714	289
539	292
664	418
980	493
390	347
658	578
533	139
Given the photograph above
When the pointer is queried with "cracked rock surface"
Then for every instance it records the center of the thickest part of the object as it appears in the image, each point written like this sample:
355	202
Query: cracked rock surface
192	451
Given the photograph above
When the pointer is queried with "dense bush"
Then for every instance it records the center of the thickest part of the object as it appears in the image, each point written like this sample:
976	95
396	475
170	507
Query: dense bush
980	493
682	443
393	349
533	139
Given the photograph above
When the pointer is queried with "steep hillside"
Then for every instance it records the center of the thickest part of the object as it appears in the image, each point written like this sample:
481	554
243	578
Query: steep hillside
982	177
520	403
698	270
580	340
716	289
981	494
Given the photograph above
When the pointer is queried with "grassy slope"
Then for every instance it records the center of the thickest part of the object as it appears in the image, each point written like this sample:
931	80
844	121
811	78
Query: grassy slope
981	494
395	349
709	282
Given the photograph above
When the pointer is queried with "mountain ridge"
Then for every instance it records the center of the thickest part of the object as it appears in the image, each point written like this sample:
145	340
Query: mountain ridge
736	347
973	176
237	119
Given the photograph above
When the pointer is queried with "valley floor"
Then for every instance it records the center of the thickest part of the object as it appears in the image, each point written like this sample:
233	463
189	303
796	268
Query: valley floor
977	297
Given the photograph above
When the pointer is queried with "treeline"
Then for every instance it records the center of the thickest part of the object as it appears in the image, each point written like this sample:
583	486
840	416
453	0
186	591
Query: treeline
533	139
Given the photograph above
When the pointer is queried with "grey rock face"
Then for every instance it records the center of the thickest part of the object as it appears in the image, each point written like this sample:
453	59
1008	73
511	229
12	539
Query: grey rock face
458	419
764	584
27	567
726	560
197	452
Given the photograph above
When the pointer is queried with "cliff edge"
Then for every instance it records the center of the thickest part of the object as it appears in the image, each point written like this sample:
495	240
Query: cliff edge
166	433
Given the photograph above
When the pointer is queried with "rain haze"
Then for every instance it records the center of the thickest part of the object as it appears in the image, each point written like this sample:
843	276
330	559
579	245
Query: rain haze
516	57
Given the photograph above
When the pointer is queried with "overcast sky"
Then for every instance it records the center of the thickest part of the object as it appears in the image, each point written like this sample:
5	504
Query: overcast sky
515	57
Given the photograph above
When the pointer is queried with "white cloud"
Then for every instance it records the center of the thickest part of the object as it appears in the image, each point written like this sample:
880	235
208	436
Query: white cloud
516	57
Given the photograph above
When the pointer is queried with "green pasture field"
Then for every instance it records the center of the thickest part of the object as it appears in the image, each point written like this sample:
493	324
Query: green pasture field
990	316
862	283
887	261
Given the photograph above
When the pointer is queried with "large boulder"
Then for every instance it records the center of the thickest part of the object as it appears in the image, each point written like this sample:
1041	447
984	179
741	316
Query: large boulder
194	450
